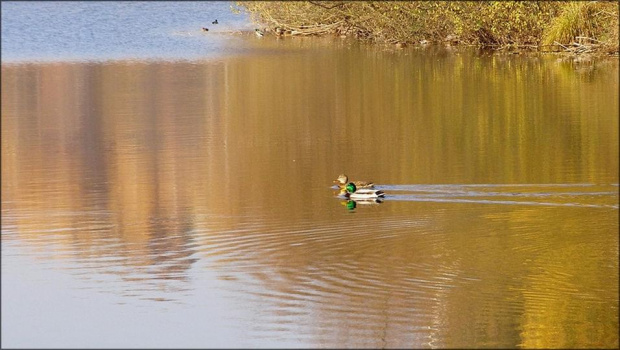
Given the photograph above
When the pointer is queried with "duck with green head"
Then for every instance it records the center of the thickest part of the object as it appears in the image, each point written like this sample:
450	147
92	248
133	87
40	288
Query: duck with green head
352	192
343	180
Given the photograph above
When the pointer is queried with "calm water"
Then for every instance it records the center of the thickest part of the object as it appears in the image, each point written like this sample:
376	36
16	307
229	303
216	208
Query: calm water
78	31
168	190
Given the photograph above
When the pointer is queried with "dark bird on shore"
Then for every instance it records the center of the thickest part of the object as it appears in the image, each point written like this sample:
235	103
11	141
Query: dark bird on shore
214	22
205	29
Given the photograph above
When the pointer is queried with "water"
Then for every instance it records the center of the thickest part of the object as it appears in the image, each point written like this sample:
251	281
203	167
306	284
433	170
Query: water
154	197
125	30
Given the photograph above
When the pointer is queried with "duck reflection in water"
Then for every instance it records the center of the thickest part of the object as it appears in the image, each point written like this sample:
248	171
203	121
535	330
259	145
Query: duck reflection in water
352	204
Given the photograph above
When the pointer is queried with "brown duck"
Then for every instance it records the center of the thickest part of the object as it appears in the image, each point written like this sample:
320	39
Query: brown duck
343	180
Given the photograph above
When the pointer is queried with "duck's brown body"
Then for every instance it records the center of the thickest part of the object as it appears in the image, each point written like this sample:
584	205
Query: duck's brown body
343	180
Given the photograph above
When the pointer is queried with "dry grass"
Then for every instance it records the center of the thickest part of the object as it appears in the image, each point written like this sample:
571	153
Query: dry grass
585	25
486	23
391	22
501	23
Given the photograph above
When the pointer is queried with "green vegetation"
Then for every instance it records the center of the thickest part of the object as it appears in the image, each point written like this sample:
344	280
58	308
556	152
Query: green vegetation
541	25
585	23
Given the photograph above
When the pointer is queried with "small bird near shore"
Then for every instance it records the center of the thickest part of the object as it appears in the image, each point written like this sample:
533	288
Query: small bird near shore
259	33
214	22
205	29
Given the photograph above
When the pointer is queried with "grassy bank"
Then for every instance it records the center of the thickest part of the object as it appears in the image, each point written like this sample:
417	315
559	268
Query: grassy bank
574	26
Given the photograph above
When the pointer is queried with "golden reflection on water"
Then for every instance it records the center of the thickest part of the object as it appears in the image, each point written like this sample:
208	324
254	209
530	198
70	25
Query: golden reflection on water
158	172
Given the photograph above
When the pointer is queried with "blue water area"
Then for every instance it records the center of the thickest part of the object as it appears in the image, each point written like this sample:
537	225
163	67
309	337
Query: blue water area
119	30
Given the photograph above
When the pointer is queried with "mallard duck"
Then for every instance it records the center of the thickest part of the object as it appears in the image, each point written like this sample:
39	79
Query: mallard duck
343	180
259	33
352	192
214	22
205	29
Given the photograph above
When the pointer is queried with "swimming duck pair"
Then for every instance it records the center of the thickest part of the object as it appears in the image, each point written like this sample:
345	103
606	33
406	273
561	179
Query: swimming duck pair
357	189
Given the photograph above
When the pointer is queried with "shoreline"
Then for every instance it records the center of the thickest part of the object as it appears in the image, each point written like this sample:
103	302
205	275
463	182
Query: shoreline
572	50
573	28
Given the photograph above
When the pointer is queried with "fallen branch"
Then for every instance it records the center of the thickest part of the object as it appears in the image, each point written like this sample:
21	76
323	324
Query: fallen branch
565	48
585	37
326	7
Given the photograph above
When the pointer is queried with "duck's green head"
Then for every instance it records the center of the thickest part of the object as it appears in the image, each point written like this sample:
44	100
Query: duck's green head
350	187
351	205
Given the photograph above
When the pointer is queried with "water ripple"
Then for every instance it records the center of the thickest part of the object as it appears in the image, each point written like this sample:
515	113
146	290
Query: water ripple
564	195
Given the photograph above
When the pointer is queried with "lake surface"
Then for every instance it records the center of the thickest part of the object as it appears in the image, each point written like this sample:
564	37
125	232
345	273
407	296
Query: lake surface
170	188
